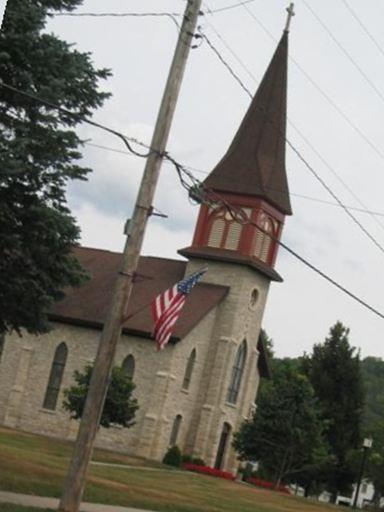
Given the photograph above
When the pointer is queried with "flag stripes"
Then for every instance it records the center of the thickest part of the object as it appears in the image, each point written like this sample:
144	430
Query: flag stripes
167	306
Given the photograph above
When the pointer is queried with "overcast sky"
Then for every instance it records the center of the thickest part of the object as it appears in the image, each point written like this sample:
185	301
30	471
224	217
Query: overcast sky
2	7
337	105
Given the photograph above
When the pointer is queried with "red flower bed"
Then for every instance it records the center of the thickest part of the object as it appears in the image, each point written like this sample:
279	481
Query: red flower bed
259	482
208	471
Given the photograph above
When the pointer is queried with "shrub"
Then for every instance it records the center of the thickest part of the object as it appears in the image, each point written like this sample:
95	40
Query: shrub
247	471
173	457
186	458
198	462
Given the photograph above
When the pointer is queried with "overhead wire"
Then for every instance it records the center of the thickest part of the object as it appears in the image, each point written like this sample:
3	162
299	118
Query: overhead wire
200	171
345	117
299	132
326	96
296	128
344	51
224	62
171	15
297	152
364	28
228	7
207	196
140	14
114	14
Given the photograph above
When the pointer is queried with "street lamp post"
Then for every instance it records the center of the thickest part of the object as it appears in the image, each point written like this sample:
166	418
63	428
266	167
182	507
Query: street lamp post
367	444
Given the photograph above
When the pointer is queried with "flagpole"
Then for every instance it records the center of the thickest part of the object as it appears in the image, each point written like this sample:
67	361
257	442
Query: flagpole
82	453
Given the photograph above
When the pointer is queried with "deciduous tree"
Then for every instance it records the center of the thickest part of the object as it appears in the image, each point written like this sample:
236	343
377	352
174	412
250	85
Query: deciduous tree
119	408
285	433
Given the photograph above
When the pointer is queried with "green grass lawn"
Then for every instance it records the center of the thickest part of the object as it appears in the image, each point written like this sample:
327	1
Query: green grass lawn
31	464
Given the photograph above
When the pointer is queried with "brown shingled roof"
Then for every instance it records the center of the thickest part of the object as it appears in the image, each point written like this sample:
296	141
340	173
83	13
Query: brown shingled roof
88	304
255	162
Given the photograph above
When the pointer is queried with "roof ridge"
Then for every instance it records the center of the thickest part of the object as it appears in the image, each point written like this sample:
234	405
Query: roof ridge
97	249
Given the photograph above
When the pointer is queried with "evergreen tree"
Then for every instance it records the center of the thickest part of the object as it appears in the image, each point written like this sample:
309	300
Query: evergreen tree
119	406
372	369
285	433
334	372
375	467
267	343
39	150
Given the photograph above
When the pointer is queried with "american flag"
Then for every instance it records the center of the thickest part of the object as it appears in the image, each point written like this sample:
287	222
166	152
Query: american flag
167	306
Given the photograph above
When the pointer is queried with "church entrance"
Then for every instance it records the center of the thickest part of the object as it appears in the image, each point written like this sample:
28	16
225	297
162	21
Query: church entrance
222	446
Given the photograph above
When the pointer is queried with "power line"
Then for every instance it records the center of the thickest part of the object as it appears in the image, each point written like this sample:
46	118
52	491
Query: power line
221	9
336	175
321	91
239	216
122	152
297	152
337	108
114	14
331	203
301	134
363	27
199	171
231	51
330	191
170	15
225	63
243	3
193	186
140	14
345	52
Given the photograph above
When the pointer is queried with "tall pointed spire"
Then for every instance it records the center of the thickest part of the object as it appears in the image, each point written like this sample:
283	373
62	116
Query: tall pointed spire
255	162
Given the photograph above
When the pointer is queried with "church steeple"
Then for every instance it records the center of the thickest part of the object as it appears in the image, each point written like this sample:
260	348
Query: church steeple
251	176
255	161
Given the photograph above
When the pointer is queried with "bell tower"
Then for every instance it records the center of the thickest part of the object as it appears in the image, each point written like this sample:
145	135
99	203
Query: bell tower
252	177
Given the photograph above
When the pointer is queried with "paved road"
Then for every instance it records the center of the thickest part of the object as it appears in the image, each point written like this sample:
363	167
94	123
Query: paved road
42	502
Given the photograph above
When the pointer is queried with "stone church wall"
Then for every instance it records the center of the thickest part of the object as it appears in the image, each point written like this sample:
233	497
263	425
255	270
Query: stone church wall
237	319
26	365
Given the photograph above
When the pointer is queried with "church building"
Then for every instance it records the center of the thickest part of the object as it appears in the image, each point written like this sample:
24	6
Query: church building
198	390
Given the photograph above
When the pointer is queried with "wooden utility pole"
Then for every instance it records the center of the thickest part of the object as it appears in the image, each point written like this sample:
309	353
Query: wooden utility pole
82	453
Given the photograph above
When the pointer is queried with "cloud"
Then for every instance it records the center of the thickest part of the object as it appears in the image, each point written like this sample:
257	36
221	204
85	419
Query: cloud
106	231
113	184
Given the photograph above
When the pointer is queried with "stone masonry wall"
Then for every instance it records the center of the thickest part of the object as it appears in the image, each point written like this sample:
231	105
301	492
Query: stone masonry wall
236	320
26	365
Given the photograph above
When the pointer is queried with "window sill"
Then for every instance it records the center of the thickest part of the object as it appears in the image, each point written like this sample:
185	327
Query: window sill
116	426
48	411
229	404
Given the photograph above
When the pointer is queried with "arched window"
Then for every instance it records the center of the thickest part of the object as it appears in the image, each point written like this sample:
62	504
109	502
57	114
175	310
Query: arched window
263	242
175	430
224	231
2	343
55	377
189	369
237	373
129	366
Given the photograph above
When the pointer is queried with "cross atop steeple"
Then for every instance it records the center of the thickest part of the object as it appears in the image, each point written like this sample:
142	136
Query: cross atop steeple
291	12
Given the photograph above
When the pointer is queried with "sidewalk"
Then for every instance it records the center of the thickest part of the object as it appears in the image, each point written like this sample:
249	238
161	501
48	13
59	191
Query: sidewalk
29	500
